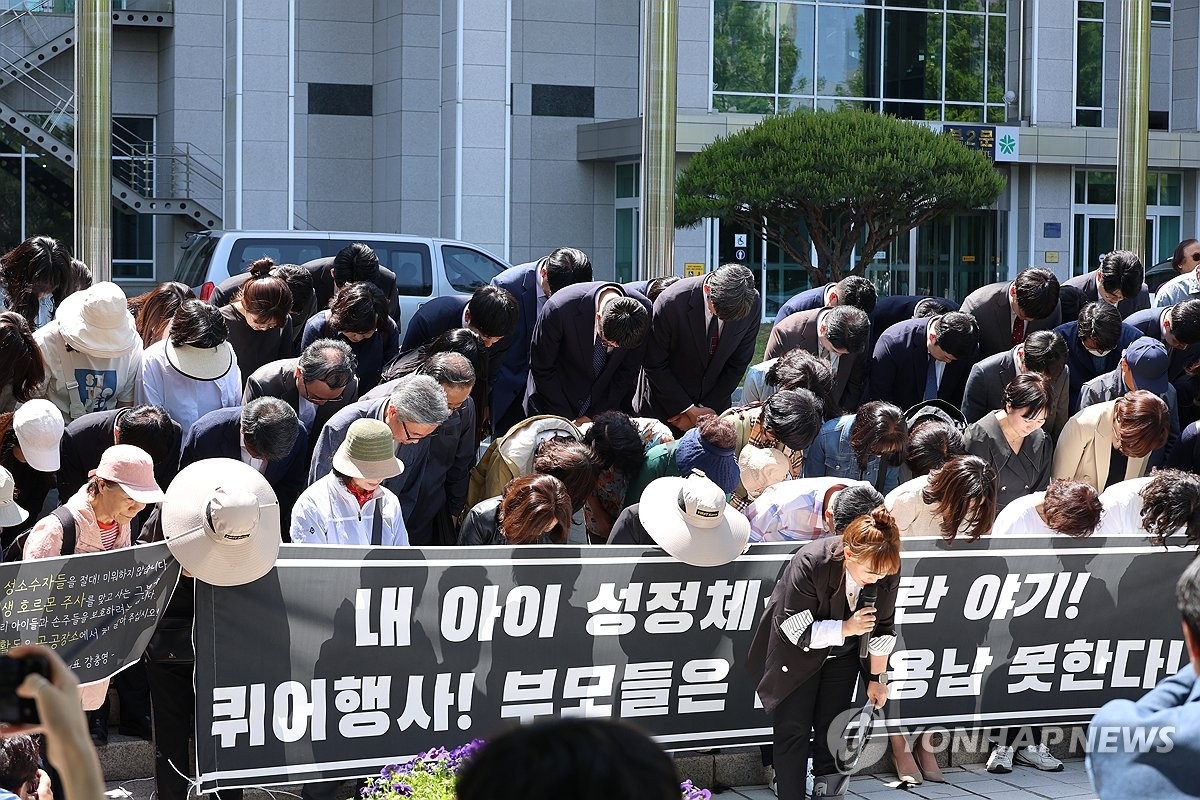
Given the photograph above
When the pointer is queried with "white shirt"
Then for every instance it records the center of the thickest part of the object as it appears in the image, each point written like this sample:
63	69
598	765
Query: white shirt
187	399
326	513
828	632
257	464
1020	518
1122	507
308	413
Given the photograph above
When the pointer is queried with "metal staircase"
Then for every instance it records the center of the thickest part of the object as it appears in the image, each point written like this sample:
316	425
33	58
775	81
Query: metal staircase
148	177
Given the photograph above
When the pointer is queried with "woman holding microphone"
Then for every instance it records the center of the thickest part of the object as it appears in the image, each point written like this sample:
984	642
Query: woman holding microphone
805	653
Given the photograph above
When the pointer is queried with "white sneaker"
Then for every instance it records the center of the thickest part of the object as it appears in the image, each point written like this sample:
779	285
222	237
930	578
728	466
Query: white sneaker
1001	760
1038	757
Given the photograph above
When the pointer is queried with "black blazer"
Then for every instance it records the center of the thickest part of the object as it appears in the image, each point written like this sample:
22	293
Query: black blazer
86	439
324	288
896	308
900	362
278	379
560	358
1079	291
814	581
676	371
218	434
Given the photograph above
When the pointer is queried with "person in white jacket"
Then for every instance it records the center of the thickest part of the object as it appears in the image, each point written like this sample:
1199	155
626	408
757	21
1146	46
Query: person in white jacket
350	505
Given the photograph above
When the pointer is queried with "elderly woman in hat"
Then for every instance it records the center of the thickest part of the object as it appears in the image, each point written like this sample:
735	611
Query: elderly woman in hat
96	519
351	505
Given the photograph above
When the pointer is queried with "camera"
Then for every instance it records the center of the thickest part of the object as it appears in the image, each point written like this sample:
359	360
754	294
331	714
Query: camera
13	672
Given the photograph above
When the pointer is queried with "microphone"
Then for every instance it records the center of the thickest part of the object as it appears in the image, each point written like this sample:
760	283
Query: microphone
866	600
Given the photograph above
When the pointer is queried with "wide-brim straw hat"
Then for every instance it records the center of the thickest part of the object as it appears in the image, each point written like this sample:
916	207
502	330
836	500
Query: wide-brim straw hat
688	517
220	518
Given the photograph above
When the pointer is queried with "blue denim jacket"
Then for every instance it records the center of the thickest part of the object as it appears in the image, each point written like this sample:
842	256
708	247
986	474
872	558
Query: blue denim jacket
830	456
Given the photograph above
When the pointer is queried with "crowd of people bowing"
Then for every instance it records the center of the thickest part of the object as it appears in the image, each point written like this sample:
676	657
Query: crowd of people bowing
544	407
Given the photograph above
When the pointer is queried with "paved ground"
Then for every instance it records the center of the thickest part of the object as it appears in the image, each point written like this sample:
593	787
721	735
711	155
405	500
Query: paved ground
966	782
969	782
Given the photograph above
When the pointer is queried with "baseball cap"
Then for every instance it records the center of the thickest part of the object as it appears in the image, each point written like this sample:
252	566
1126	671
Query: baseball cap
1148	359
39	427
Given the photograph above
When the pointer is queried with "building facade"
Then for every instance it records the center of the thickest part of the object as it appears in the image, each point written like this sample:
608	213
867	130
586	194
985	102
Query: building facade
514	124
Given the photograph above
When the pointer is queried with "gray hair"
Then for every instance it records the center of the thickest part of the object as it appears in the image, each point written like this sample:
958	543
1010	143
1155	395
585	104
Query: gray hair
731	290
328	360
270	427
449	369
420	399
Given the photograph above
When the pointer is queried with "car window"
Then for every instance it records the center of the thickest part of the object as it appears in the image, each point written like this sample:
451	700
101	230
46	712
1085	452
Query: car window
193	265
412	264
467	269
282	251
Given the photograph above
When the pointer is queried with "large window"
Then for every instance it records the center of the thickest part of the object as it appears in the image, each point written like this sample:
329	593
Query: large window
1089	63
926	59
625	221
1095	216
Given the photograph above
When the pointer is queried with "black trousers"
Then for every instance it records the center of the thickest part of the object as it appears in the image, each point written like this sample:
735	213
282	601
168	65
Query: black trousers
173	711
808	712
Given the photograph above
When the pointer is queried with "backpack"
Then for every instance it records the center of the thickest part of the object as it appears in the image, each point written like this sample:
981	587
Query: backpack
65	518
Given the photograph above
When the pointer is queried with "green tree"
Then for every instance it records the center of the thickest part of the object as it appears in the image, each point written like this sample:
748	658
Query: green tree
833	180
744	44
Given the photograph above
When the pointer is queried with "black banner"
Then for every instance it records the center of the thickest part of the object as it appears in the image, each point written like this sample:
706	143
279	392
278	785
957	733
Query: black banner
98	610
342	660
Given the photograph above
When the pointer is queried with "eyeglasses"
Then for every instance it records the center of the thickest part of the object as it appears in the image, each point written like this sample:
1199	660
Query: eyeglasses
412	438
316	399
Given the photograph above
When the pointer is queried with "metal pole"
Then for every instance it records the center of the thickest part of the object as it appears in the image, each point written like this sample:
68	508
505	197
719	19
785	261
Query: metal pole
1132	127
93	136
657	222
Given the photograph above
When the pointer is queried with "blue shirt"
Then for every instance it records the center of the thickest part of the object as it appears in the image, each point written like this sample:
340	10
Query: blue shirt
830	455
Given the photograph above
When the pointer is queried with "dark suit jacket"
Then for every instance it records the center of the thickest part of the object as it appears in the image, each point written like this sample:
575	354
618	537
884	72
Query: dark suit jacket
324	289
900	363
677	371
1081	290
443	314
278	379
224	292
1082	366
989	305
896	308
513	373
218	434
1149	323
987	380
86	439
805	301
800	330
560	358
813	581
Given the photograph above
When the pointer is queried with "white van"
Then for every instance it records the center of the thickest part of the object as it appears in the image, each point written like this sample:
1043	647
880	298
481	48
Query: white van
424	267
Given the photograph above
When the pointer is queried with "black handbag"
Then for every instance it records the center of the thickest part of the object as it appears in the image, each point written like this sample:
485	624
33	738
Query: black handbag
172	642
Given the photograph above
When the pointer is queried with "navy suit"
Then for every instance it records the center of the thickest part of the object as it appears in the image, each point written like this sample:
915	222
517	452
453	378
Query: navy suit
508	389
218	434
324	288
677	371
1149	322
560	359
443	314
900	363
896	308
1082	365
805	301
1077	292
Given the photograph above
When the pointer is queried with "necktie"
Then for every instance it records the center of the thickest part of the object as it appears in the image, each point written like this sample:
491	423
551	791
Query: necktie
931	384
599	359
1018	333
714	335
